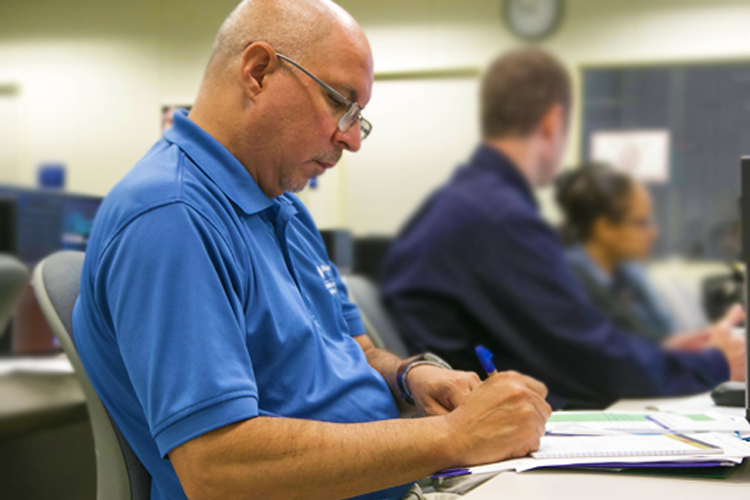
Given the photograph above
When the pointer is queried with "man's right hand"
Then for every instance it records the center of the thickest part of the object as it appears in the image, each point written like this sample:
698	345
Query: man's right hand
504	417
733	348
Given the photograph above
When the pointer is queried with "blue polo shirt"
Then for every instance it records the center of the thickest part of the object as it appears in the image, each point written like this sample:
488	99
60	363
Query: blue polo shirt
204	303
478	265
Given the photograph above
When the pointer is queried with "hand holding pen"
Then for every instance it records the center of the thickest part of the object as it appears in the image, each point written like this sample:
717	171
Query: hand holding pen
503	417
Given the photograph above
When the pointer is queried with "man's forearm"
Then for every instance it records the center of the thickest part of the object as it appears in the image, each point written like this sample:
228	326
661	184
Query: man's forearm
267	457
309	459
387	365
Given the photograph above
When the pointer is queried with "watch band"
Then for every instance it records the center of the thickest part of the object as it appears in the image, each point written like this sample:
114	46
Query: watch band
408	364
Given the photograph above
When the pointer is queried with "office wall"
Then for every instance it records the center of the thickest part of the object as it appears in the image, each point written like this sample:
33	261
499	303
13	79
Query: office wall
419	148
92	75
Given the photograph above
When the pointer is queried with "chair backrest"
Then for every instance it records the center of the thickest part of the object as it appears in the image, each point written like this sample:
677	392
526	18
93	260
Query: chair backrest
119	473
378	323
13	278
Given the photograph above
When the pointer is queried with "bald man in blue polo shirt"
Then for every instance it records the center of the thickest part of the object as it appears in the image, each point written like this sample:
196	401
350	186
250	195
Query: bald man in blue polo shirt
215	329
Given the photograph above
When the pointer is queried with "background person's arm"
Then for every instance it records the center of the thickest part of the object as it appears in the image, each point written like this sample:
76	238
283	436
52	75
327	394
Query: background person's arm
268	457
720	336
503	281
569	344
435	390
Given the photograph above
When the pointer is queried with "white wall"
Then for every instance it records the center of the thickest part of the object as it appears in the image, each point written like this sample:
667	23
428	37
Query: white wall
446	34
10	127
92	76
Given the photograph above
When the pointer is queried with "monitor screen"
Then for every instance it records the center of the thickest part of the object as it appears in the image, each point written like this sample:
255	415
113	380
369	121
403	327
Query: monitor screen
48	221
77	220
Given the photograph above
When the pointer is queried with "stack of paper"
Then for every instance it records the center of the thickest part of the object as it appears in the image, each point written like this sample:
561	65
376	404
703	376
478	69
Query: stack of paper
576	423
628	440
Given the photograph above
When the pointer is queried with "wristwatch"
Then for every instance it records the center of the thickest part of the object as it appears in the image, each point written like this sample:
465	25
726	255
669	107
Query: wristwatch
403	370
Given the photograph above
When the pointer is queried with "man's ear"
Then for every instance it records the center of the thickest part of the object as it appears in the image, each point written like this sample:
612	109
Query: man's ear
553	122
258	61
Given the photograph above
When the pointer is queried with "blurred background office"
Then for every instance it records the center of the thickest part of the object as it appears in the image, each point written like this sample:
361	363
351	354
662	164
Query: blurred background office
83	85
662	91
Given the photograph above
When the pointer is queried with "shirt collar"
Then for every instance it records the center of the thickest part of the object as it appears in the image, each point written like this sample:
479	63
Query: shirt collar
490	159
218	163
579	255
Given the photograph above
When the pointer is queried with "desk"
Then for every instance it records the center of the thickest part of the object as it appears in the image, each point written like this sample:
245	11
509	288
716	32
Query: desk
564	485
46	445
35	400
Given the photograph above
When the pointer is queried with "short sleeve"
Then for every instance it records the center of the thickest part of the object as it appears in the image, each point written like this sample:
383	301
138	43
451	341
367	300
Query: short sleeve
349	310
173	294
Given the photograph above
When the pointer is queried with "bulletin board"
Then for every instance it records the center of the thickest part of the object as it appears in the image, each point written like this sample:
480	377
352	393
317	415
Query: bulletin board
685	126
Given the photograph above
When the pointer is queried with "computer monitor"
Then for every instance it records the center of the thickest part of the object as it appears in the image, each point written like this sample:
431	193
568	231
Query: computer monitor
7	225
34	224
48	221
745	218
78	215
340	247
369	253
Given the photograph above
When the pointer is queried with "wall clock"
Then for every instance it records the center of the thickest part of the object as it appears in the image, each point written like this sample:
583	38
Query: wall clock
533	19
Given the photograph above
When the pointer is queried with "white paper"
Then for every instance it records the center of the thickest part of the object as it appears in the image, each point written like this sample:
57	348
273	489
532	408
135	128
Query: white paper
54	365
698	404
734	450
618	422
615	446
644	154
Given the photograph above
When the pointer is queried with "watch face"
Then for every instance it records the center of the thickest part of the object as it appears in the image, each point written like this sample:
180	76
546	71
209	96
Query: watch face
533	19
434	358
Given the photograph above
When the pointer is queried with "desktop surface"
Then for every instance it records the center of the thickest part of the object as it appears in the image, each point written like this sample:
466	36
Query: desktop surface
37	393
578	485
570	485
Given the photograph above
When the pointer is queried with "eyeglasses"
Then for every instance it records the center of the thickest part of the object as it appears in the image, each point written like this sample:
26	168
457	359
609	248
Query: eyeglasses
353	112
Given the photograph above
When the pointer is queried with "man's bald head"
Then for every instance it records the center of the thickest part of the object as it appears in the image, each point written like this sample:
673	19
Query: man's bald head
292	27
280	123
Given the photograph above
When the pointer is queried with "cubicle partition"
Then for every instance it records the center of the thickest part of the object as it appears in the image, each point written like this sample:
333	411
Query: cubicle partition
746	260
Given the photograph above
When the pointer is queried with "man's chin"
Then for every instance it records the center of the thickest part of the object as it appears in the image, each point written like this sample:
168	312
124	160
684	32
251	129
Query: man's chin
294	185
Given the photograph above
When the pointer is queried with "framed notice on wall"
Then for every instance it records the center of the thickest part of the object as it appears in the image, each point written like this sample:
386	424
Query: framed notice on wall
682	128
644	154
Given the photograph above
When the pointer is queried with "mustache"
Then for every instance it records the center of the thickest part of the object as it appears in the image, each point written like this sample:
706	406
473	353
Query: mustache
333	157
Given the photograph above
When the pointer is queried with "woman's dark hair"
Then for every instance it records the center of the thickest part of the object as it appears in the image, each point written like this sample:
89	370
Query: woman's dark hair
587	193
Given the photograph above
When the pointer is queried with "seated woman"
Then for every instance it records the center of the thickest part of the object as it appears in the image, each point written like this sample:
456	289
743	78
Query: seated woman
608	221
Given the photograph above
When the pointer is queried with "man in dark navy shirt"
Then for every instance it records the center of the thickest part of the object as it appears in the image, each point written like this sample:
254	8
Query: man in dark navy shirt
478	265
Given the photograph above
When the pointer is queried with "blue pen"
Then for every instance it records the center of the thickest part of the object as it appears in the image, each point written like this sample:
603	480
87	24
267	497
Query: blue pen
485	357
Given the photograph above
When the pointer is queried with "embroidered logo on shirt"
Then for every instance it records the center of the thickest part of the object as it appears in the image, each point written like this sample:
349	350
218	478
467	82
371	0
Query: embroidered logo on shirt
326	274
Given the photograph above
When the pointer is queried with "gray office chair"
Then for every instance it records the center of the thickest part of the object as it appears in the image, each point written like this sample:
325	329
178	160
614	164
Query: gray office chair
378	323
13	278
119	473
